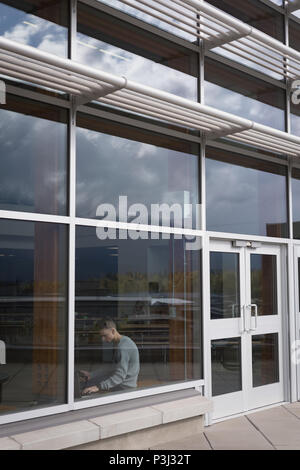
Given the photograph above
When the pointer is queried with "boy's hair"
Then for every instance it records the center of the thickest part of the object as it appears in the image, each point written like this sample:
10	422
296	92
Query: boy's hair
106	323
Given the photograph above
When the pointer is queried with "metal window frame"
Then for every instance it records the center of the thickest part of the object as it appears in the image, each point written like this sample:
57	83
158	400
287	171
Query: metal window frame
72	222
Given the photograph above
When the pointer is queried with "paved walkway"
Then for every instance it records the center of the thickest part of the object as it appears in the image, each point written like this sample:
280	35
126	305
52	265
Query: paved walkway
273	429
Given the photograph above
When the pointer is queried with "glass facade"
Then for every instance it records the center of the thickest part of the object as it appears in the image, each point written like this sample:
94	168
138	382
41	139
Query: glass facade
89	299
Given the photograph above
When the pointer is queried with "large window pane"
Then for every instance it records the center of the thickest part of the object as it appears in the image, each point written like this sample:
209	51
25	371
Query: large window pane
294	35
150	288
254	13
33	314
147	16
115	46
37	23
241	197
33	148
295	124
115	161
236	92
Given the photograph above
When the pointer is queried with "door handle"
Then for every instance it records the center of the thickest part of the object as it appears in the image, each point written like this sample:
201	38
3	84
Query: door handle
255	316
244	329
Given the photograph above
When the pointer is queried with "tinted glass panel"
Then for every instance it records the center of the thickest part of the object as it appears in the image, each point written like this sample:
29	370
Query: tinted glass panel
146	14
226	366
265	359
254	13
241	197
33	168
294	35
33	314
224	285
264	284
37	23
277	2
293	8
295	124
296	201
150	288
115	46
238	93
295	114
299	284
115	161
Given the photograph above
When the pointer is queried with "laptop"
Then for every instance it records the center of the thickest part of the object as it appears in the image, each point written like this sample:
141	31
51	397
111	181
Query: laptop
79	382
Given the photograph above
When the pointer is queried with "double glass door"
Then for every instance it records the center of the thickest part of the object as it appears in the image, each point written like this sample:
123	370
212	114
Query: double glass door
296	344
245	330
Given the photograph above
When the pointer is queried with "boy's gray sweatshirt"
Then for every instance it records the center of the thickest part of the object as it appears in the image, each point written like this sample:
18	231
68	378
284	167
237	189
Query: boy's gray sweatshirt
126	366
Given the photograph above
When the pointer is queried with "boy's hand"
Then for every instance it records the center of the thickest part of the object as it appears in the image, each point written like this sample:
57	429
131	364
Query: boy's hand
89	390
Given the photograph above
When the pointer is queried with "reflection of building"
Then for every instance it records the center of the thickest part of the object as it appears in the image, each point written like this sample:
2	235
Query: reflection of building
105	99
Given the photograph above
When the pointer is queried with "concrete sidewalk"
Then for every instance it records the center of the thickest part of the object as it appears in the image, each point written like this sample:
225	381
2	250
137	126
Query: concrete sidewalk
273	429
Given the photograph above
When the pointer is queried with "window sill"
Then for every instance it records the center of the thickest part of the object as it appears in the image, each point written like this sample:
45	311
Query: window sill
104	426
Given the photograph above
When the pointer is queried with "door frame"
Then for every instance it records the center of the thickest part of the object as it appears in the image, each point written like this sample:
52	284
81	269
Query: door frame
295	342
287	323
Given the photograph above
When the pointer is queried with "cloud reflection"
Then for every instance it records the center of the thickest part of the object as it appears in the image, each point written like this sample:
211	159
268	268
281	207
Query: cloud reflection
119	5
32	30
33	170
295	125
244	199
110	166
243	106
118	61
